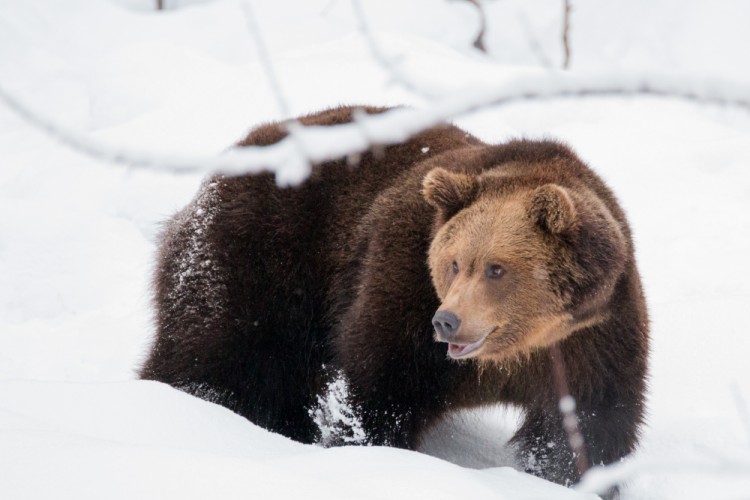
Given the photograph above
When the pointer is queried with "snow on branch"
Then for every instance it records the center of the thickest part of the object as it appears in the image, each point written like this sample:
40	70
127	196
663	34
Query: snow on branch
291	158
602	478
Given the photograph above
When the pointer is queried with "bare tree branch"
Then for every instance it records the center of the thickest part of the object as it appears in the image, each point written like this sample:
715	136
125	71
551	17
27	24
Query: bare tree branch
293	126
534	44
479	40
265	60
568	410
566	34
390	64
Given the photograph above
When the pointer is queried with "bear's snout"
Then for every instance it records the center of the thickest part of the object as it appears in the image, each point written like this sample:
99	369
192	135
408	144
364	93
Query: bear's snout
446	325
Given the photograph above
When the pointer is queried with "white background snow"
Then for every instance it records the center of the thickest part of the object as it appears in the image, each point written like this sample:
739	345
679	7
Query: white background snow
77	236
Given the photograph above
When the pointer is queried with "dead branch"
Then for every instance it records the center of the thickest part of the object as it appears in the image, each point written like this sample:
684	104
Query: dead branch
566	34
479	40
533	41
568	410
265	60
390	64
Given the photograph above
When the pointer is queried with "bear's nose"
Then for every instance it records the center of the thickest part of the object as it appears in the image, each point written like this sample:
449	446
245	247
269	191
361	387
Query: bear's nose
446	324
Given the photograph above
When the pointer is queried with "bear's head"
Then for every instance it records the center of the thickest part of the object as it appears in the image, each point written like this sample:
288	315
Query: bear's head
518	263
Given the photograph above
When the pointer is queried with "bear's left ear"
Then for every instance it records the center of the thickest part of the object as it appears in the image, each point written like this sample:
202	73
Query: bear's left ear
553	209
449	192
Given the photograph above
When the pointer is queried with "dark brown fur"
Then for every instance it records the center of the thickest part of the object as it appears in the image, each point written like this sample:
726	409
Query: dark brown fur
258	287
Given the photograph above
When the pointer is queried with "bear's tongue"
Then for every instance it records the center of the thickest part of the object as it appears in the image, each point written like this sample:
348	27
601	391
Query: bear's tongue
461	350
456	349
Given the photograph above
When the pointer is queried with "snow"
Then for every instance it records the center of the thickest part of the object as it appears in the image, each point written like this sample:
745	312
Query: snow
78	234
335	417
146	440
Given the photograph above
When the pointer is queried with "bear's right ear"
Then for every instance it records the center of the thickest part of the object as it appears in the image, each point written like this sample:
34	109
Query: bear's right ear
449	192
553	209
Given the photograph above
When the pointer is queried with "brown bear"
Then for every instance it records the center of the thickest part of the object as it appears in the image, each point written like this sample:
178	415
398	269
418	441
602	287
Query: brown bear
434	275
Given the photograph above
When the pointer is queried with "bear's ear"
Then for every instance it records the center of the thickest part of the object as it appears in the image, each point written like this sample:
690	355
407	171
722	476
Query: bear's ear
449	192
552	208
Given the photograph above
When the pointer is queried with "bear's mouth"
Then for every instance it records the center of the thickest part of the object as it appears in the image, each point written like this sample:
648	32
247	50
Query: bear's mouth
462	350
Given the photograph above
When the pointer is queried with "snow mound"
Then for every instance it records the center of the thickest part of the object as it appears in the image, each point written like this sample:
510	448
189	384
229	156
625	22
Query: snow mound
146	440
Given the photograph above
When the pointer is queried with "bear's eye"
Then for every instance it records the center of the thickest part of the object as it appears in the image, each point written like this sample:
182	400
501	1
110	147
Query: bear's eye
494	271
455	267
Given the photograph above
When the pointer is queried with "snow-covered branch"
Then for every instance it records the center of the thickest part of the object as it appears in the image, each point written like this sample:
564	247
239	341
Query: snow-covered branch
291	162
602	478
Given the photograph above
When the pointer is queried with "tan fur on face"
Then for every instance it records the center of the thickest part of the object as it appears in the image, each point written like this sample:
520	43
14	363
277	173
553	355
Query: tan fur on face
519	308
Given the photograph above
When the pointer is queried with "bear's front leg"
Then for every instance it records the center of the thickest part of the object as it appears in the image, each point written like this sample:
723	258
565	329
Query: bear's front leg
388	416
543	449
543	446
398	376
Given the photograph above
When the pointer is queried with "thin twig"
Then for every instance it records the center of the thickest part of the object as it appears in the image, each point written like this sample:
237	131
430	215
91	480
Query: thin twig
566	34
534	44
479	40
568	410
390	64
265	60
302	166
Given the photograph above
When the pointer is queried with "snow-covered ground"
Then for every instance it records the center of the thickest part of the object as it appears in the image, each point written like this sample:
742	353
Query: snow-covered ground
77	235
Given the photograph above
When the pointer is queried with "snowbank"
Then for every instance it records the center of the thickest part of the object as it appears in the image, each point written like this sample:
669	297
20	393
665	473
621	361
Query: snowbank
145	440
